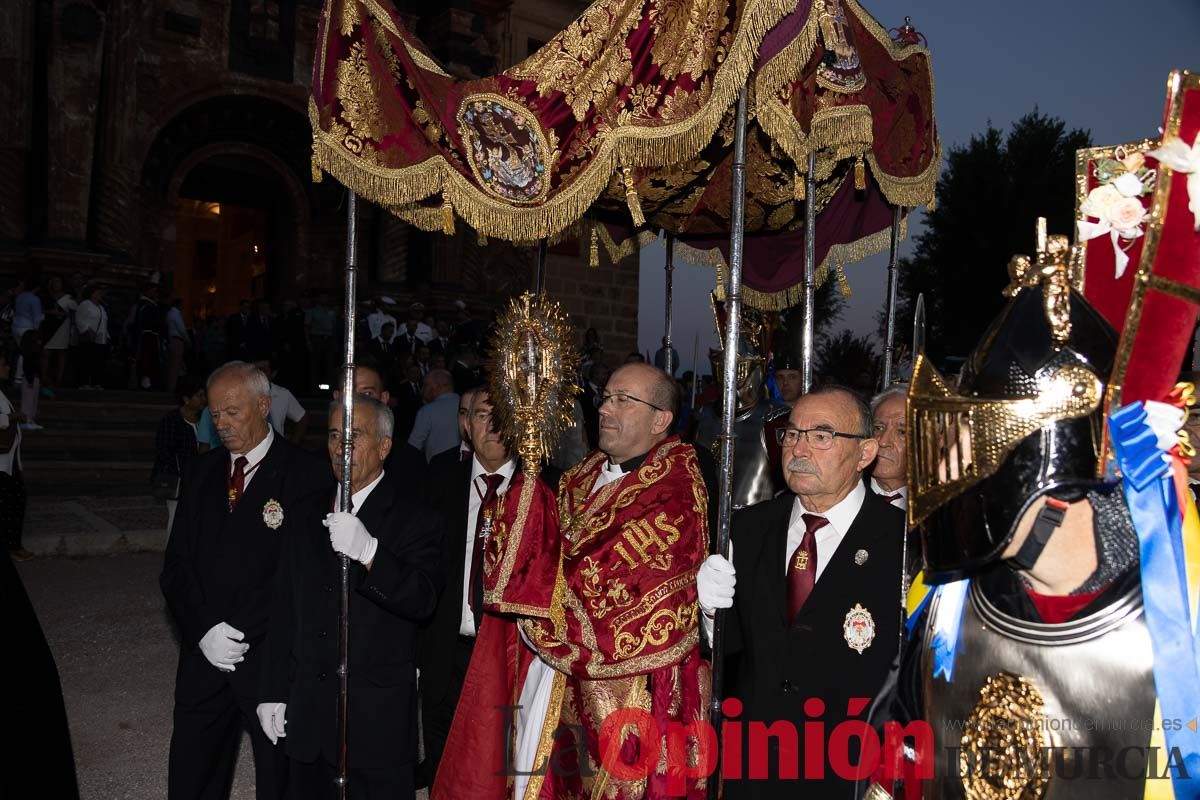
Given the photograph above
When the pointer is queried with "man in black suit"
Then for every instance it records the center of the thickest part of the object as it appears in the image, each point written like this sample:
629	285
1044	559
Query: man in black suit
238	503
589	399
235	332
458	488
817	620
395	545
260	332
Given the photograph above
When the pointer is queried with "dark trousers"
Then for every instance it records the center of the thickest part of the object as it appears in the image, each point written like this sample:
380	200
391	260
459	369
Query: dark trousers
437	716
315	781
94	368
12	507
209	720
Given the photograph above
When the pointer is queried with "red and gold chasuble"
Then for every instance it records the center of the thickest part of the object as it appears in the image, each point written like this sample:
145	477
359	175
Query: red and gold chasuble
603	584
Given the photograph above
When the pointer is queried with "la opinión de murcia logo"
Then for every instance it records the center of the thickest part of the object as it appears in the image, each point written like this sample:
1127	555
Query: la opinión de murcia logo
852	750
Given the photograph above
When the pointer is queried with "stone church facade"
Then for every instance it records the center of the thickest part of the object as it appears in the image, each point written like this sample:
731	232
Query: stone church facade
170	138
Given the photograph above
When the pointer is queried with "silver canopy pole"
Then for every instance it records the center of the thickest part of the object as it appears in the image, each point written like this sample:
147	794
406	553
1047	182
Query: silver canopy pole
344	495
889	344
733	315
810	285
670	280
539	274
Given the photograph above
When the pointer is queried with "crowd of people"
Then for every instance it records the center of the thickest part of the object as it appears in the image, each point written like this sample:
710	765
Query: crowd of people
463	560
430	478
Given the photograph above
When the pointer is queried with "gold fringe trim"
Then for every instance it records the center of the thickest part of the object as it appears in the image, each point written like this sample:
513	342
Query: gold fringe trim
847	130
447	218
626	247
594	249
798	190
778	122
481	240
793	295
632	146
918	190
631	199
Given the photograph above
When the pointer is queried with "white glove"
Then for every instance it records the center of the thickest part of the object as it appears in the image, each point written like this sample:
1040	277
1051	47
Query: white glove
349	537
272	718
223	646
714	584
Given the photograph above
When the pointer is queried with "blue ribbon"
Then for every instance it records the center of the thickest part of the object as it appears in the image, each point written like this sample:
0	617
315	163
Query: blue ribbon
1154	507
952	598
772	387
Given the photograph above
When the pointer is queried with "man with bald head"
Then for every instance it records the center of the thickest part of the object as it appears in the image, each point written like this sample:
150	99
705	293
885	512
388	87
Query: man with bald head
816	610
237	503
435	429
619	547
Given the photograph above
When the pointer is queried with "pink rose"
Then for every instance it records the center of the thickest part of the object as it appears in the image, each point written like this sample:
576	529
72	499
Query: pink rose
1125	215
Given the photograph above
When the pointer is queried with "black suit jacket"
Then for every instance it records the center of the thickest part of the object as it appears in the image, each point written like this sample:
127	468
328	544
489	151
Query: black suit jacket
588	399
235	336
220	566
448	490
386	604
784	665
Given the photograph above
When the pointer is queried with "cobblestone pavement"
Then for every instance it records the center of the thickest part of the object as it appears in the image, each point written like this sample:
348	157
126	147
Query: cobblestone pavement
108	627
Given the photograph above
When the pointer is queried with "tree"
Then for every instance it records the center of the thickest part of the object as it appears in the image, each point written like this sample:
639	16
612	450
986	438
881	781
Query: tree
848	360
828	306
990	194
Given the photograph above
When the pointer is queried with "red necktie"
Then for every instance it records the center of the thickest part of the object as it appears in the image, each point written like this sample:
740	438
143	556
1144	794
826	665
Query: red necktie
892	498
237	482
489	497
802	569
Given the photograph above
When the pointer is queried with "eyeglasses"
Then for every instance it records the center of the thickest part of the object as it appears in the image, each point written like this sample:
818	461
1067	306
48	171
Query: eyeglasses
622	401
817	438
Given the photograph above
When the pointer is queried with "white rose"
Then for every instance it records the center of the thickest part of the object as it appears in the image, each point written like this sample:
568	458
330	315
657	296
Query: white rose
1099	199
1125	216
1129	185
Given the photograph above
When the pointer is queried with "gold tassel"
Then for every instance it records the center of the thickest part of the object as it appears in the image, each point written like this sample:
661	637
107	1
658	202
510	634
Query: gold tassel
843	281
317	175
631	199
594	248
860	173
798	189
447	217
932	204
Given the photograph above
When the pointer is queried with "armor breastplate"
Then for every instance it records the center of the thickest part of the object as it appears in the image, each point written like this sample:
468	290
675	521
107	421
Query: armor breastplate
754	478
1034	709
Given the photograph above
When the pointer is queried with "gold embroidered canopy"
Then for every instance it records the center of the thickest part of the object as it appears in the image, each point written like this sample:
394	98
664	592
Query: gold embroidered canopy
623	123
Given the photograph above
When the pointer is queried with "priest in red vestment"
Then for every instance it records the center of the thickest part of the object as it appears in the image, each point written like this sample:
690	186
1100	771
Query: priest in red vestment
593	617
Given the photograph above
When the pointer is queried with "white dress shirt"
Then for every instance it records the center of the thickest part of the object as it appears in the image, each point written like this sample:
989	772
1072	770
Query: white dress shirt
92	317
358	498
841	517
253	458
900	502
466	624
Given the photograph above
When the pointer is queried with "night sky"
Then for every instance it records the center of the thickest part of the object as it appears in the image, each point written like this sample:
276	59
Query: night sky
1101	66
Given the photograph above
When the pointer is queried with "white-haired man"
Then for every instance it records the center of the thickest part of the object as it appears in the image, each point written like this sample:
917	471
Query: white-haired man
237	503
394	542
888	477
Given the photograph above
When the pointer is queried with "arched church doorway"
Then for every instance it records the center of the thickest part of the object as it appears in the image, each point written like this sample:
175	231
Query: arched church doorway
236	230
